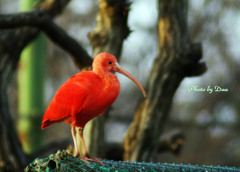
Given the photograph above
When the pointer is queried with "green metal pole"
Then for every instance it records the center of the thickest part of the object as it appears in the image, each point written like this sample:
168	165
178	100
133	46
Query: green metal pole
31	76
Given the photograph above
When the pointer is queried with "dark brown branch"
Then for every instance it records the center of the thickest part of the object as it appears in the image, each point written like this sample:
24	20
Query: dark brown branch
177	58
7	130
11	44
195	67
43	22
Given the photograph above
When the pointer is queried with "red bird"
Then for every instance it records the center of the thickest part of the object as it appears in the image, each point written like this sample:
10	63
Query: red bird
87	95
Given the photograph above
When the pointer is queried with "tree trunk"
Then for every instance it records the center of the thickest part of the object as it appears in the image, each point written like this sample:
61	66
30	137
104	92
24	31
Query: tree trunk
108	36
177	58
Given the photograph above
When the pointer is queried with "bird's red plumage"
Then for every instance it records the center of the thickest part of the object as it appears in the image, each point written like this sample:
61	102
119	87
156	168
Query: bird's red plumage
83	97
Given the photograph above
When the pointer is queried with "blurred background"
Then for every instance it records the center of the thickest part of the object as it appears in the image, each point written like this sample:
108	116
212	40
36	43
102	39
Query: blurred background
210	122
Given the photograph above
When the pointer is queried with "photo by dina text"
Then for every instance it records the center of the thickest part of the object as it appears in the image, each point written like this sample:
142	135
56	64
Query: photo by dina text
208	89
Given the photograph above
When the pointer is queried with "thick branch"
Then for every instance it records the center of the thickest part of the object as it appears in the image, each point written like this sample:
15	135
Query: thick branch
111	28
177	58
43	22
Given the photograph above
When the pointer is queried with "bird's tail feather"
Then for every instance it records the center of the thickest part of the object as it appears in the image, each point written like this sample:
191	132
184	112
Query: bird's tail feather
46	123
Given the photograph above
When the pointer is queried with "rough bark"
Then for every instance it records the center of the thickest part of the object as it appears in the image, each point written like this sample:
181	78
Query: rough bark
177	58
111	27
12	42
108	36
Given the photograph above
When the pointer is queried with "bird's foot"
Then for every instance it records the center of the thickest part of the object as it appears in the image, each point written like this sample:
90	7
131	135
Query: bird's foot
87	159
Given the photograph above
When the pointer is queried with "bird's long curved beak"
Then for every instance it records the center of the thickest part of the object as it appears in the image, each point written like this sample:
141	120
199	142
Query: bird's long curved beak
119	69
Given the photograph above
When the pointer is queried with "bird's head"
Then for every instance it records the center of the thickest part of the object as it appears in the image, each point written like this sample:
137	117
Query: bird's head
106	61
109	63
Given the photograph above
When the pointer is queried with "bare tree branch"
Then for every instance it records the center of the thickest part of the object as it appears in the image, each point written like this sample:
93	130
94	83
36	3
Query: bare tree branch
43	22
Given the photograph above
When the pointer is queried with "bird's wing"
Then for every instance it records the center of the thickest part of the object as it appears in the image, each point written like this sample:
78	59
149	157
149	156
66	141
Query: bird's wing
70	98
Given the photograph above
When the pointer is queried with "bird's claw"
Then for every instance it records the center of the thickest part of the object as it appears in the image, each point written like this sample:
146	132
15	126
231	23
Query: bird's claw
87	159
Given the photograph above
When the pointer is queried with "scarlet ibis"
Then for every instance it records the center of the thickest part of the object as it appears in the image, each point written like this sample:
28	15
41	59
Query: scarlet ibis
87	95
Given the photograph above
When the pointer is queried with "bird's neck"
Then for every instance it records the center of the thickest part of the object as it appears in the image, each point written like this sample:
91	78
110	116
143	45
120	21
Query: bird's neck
107	77
111	85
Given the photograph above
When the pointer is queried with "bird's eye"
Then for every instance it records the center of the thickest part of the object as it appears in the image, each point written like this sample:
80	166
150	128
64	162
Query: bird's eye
110	62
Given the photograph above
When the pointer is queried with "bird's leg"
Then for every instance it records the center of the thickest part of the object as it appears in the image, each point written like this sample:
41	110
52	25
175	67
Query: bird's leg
83	142
86	156
75	140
